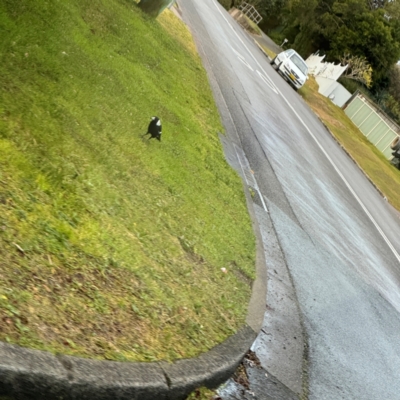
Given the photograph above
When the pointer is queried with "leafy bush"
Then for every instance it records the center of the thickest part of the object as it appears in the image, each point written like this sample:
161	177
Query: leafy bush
227	4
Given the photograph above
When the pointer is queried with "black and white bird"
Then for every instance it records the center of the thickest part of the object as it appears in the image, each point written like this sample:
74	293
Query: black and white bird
154	129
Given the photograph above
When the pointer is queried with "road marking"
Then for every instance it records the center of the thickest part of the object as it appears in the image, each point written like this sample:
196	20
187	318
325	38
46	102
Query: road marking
246	63
248	173
242	59
385	238
265	78
268	81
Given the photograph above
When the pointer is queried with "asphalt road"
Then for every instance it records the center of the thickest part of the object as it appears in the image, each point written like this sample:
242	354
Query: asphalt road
338	238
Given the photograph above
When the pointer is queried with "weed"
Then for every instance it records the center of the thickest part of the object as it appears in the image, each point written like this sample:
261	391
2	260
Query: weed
202	394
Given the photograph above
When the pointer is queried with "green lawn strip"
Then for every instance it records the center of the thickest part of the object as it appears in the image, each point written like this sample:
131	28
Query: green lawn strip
385	176
266	50
253	26
112	245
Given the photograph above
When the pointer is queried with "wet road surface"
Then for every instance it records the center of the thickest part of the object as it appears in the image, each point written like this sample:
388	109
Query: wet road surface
332	323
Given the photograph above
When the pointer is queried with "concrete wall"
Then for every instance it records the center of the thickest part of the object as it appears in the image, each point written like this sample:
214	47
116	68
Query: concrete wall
330	88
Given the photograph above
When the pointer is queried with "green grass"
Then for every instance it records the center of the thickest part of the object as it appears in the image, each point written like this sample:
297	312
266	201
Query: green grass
202	394
112	245
277	35
266	50
253	26
385	176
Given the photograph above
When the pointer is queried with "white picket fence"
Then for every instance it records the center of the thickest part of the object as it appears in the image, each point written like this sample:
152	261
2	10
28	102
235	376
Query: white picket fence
317	67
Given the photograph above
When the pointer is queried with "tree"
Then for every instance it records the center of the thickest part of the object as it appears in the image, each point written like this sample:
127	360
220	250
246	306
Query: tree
394	82
388	104
271	11
374	4
358	69
369	29
302	25
363	28
361	32
155	7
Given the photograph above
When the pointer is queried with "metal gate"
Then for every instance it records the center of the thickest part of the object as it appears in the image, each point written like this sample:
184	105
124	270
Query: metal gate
250	11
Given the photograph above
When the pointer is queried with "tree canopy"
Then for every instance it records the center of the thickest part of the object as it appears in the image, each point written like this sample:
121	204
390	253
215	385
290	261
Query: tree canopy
362	28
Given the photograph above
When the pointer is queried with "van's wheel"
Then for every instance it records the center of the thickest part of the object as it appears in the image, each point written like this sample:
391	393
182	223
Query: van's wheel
273	61
395	145
276	66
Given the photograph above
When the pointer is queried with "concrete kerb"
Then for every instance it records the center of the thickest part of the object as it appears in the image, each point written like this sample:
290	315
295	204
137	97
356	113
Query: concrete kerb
32	374
27	374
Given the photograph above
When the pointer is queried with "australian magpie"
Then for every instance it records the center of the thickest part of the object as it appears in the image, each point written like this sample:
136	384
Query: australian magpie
154	129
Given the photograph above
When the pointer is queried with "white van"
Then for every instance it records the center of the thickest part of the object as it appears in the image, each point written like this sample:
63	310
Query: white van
292	67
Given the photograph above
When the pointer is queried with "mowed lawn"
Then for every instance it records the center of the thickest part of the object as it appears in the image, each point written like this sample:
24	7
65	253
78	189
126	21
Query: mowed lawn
111	244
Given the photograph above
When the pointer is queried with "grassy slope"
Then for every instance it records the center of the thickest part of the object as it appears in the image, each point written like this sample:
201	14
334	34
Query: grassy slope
111	245
371	160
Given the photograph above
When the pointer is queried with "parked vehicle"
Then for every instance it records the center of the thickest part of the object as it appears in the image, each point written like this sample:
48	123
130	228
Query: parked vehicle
292	67
395	146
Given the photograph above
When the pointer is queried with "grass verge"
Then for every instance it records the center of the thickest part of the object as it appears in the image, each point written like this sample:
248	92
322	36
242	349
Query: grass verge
254	28
112	245
385	176
266	50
